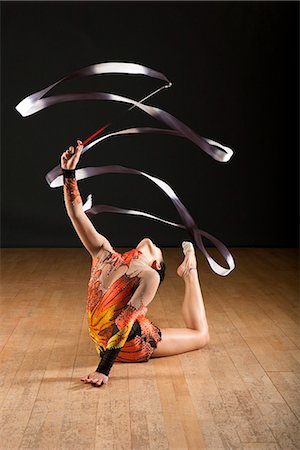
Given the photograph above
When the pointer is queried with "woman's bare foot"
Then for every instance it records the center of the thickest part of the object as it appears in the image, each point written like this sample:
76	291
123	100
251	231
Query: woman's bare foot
189	263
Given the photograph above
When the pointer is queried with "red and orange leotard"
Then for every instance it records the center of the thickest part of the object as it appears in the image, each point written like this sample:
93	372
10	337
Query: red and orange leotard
119	329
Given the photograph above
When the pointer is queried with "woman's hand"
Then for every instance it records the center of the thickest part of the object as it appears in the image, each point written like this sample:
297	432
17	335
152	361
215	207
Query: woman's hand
70	157
96	378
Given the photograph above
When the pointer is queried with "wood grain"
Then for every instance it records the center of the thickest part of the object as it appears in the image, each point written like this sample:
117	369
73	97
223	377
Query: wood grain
241	391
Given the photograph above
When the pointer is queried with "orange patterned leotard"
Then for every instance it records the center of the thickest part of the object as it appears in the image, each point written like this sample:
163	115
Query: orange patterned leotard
118	327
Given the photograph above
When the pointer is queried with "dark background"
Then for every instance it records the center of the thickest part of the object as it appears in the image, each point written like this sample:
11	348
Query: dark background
234	69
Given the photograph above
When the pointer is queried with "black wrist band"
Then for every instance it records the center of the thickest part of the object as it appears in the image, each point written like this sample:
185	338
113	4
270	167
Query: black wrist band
107	360
69	173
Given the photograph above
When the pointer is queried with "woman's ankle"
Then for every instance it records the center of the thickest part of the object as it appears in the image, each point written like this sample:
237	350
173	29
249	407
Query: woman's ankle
190	274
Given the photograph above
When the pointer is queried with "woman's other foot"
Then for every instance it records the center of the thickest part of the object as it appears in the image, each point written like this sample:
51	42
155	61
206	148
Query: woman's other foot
189	263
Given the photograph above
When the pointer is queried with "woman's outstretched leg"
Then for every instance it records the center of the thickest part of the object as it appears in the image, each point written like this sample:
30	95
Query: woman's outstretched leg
195	335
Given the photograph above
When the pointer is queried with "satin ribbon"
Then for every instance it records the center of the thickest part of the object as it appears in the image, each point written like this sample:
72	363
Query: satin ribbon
35	102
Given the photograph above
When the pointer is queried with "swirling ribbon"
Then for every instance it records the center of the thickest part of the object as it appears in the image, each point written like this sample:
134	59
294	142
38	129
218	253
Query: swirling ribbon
36	102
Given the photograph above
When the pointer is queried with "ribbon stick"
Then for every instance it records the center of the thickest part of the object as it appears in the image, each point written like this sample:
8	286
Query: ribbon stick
90	138
36	102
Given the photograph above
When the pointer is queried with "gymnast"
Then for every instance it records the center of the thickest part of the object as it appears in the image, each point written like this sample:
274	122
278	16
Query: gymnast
121	286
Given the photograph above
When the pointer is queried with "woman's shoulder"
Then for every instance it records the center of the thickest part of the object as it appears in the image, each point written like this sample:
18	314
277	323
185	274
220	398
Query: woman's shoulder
106	249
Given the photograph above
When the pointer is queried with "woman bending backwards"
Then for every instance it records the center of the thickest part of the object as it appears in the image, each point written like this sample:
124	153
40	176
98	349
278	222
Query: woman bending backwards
120	288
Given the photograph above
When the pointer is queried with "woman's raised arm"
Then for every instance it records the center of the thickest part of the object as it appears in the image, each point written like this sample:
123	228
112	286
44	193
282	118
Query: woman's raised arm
89	236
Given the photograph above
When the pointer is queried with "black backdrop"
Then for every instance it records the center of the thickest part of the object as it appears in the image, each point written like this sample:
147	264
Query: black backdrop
234	69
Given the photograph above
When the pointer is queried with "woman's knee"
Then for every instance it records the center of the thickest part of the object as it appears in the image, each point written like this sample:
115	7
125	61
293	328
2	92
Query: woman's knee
203	338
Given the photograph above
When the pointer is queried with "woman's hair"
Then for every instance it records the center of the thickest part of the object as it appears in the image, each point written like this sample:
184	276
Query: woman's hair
161	272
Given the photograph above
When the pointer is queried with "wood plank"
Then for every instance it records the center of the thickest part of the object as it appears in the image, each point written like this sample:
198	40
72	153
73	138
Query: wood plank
240	391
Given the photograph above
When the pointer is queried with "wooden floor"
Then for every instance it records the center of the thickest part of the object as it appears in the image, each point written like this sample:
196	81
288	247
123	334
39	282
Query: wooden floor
239	392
